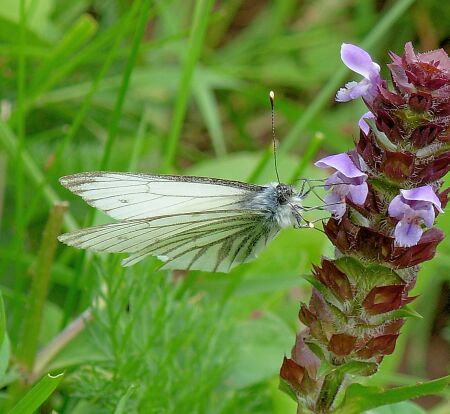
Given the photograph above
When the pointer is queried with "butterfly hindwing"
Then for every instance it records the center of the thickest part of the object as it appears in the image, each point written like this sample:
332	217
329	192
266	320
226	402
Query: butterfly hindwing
209	240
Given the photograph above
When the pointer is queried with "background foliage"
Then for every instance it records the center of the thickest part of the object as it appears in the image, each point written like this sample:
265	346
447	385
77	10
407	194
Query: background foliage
181	87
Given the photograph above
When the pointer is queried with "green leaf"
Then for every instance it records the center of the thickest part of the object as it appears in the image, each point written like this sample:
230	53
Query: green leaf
404	407
5	353
324	291
358	368
75	37
281	402
199	27
367	277
360	398
383	140
40	392
39	21
407	312
4	340
264	341
209	108
121	405
2	319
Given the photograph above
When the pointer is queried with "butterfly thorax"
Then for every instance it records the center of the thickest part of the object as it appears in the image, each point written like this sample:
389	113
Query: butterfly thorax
280	202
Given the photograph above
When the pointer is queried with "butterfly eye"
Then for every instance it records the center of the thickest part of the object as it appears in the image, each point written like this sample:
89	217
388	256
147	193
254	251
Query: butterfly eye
283	193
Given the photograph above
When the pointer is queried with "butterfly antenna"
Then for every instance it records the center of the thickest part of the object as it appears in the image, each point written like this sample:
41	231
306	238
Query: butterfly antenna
272	104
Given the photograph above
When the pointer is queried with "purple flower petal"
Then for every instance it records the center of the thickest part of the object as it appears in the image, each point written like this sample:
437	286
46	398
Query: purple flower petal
363	124
397	208
426	213
358	193
354	90
407	234
335	204
424	193
342	163
359	61
413	208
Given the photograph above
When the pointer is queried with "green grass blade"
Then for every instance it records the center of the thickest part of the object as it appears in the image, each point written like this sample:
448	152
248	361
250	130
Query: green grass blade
115	119
139	141
2	320
119	30
307	157
207	104
121	406
10	143
266	156
37	395
79	34
202	14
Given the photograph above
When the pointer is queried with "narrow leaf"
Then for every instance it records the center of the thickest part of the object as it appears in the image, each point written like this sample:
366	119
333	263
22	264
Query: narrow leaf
202	13
359	398
37	395
121	405
2	320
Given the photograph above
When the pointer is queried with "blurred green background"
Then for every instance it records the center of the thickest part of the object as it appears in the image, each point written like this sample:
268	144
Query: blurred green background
181	86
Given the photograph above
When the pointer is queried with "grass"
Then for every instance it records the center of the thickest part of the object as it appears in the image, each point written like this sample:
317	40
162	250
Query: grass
177	86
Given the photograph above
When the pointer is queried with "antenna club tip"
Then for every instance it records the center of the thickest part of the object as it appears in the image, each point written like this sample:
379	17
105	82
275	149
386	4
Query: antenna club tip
272	95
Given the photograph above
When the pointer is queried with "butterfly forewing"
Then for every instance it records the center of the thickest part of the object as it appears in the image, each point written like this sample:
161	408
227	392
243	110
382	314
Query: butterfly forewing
127	196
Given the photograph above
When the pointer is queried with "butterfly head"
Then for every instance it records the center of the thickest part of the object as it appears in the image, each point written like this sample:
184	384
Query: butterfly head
284	193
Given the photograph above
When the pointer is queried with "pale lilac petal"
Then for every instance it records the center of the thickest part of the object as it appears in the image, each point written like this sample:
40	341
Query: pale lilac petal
342	163
407	234
358	60
335	204
424	193
354	90
427	214
362	122
358	193
332	180
343	95
397	208
337	185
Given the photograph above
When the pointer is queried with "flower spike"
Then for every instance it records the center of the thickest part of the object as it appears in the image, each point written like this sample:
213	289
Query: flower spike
384	197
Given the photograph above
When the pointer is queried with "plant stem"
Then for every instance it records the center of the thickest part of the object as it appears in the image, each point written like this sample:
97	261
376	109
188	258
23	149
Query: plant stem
19	176
59	342
39	287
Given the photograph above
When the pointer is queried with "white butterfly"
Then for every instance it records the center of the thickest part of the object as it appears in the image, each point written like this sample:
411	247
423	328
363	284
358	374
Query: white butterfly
196	223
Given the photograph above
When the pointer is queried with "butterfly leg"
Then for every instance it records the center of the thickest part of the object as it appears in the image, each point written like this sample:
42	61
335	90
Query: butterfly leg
324	207
311	189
